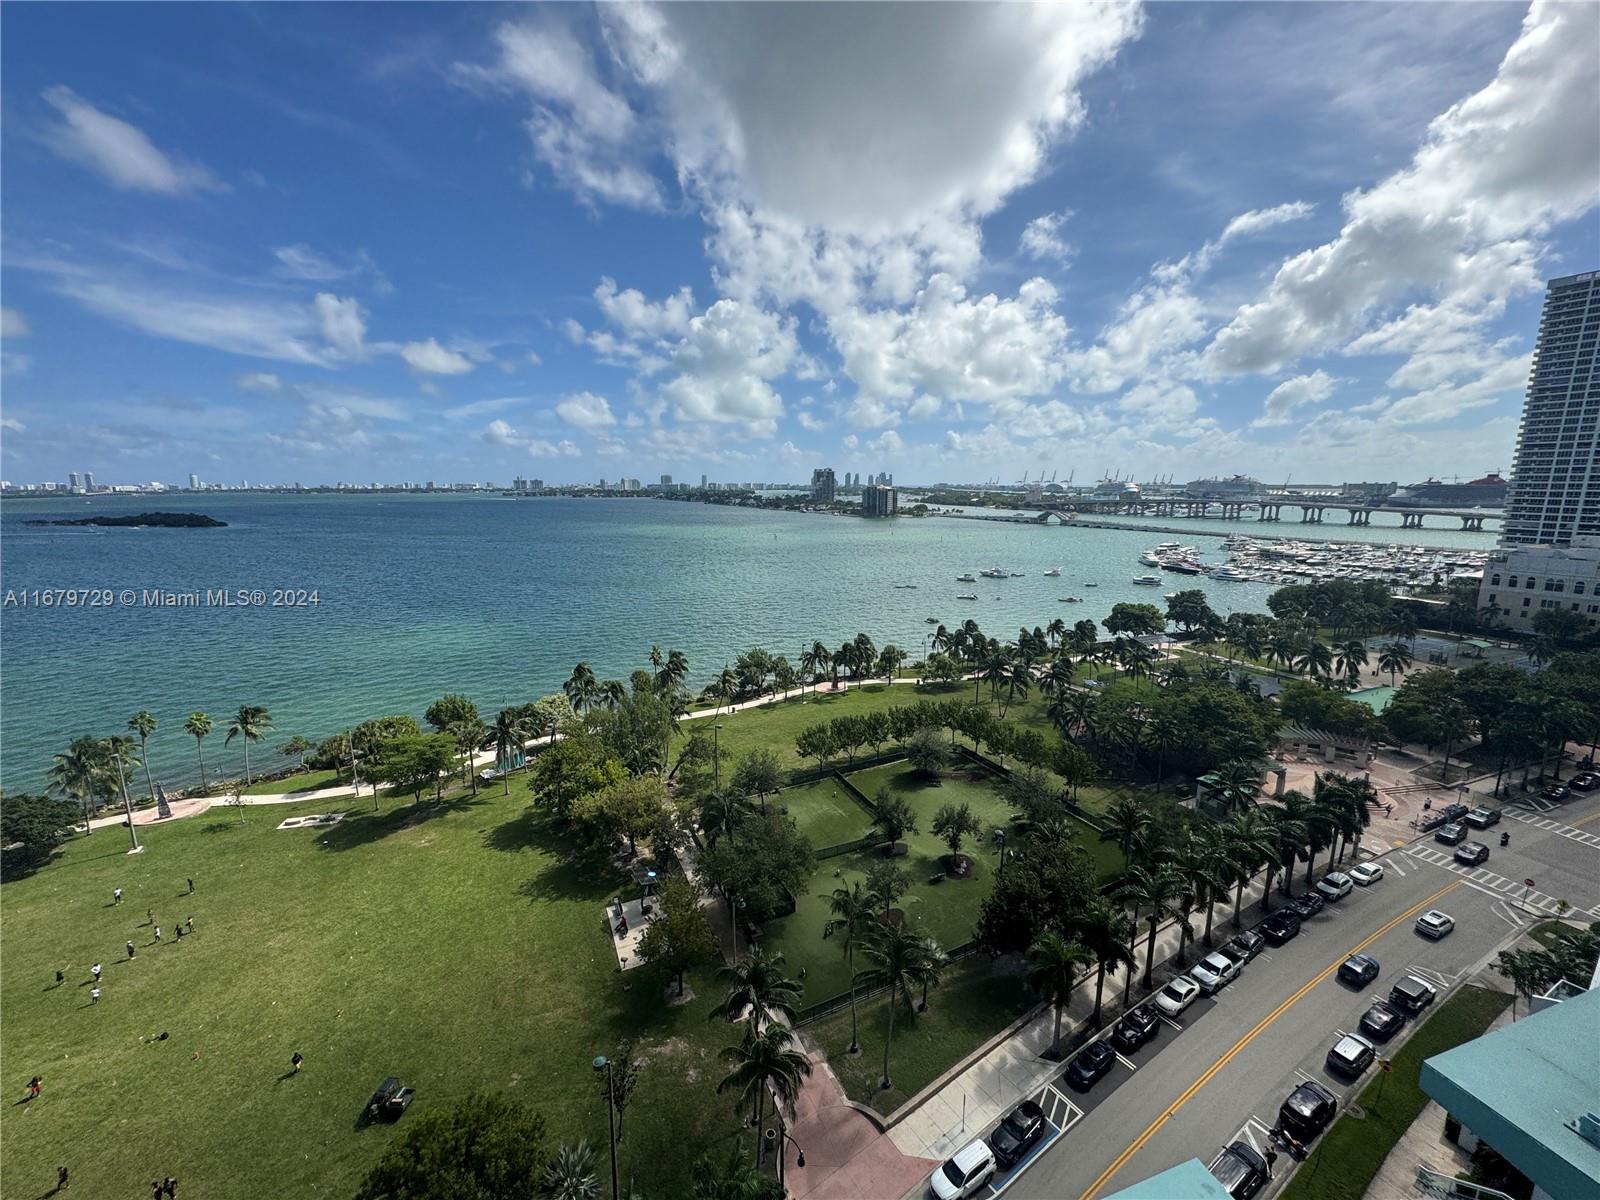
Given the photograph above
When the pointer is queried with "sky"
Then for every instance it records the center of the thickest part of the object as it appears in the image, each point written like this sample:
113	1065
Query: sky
317	243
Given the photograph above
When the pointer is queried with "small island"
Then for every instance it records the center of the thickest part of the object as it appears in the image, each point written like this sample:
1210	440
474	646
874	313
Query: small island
150	520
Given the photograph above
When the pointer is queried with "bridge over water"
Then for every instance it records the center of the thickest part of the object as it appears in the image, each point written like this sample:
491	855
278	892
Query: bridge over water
1312	510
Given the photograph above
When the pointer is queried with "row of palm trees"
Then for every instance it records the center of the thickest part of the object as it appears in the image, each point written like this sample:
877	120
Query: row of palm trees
93	770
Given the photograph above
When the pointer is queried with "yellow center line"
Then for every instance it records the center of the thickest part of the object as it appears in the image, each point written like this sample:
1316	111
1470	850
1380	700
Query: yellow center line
1139	1142
1586	820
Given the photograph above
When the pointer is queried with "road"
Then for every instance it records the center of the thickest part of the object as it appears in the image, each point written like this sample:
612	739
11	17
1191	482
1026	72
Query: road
1221	1076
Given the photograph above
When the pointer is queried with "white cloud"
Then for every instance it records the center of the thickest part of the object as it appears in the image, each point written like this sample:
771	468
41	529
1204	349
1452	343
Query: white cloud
1153	324
479	407
431	358
639	317
811	423
586	411
259	381
343	323
1041	238
534	360
1248	224
724	364
301	261
1293	394
501	433
572	331
13	324
888	443
12	425
117	150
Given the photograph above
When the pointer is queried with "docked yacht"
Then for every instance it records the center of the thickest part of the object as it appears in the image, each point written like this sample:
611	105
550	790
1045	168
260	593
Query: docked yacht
1148	580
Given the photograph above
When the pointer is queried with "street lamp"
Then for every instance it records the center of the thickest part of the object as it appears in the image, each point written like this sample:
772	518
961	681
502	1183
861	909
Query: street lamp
734	905
782	1131
716	757
1000	845
602	1063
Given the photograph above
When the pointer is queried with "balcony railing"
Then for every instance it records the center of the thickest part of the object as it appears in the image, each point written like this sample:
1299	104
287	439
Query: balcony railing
1447	1187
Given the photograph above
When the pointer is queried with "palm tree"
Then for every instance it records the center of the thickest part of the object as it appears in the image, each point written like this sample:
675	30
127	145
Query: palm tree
1128	824
468	735
1315	660
725	687
757	988
118	755
251	722
1250	840
854	914
720	813
1203	863
1155	890
1104	931
1292	822
198	726
581	688
144	724
1402	624
1455	724
511	729
79	772
1394	658
1163	733
815	661
1239	784
1351	658
899	963
1053	964
766	1061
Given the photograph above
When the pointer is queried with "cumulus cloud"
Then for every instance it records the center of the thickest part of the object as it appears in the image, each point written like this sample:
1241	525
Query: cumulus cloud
586	411
502	433
259	381
430	358
343	323
118	151
1293	394
724	364
13	324
1041	238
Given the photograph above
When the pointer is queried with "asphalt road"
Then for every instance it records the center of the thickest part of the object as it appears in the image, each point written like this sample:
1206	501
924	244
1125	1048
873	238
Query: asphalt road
1222	1076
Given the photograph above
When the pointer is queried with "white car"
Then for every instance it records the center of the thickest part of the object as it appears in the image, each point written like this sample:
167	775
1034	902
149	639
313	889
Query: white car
1335	885
1366	874
1177	995
1214	971
1435	924
965	1174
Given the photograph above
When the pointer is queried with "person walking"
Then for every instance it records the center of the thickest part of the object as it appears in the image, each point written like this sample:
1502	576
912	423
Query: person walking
130	947
190	924
295	1060
169	1186
61	1179
158	933
191	887
149	916
33	1087
1272	1160
94	995
116	895
94	971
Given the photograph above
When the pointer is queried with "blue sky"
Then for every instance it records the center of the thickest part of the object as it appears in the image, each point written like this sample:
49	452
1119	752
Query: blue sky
308	242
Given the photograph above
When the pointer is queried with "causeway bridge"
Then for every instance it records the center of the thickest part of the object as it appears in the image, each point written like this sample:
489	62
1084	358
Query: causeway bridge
1313	510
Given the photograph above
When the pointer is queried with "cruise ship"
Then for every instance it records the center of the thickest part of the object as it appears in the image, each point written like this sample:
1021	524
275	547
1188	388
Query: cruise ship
1487	492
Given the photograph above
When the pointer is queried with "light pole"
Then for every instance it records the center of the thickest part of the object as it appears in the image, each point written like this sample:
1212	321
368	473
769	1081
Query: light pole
734	905
602	1063
716	757
1000	843
782	1131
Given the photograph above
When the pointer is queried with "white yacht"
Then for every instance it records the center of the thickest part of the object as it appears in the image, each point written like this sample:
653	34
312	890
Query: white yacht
1149	559
1148	580
1053	573
969	577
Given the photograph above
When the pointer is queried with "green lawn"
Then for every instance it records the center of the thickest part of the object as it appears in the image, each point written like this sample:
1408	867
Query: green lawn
300	781
969	1006
460	947
1350	1153
825	812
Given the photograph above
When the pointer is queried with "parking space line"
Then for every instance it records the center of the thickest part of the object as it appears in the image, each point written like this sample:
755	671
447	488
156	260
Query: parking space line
1166	1020
1124	1061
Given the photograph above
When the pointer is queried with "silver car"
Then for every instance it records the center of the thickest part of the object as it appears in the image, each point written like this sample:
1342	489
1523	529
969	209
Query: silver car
1214	972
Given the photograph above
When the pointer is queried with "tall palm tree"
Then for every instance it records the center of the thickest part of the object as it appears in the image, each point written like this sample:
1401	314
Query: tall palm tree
1350	659
1402	624
726	688
198	726
854	916
1251	841
1291	822
815	661
720	813
1128	824
1239	784
1394	658
251	723
767	1061
1018	680
1104	931
1155	890
144	724
1053	964
468	734
1315	660
757	989
898	960
581	688
511	730
79	772
1163	733
119	756
1206	866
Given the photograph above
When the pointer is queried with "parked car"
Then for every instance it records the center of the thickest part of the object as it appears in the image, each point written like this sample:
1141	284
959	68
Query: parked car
1091	1065
1351	1055
1482	818
1454	812
1136	1028
1243	946
1335	885
1411	995
964	1174
1358	970
1240	1170
1280	926
1449	835
1366	874
1556	792
1307	905
1435	924
1382	1021
1214	972
1177	995
1584	781
1017	1134
390	1101
1307	1111
1472	853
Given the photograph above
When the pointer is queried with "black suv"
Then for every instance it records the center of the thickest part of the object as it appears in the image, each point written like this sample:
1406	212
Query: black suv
1307	905
1242	947
1482	818
1280	927
1091	1065
1584	781
1411	995
1307	1111
1454	812
1450	834
1240	1170
1382	1021
1358	970
1136	1028
1017	1134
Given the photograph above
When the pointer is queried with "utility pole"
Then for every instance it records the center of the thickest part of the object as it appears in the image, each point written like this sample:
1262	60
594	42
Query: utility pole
602	1063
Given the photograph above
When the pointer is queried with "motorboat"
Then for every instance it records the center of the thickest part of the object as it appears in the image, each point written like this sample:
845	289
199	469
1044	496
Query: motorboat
1053	573
931	620
906	586
1091	585
1071	599
1147	580
1149	559
995	573
967	596
969	577
1230	573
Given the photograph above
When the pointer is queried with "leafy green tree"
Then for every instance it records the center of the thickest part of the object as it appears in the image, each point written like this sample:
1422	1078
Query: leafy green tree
1053	964
483	1147
681	934
142	724
766	860
448	709
1135	619
953	824
628	807
926	752
31	830
758	774
1189	610
892	816
571	770
251	724
297	748
414	764
1045	886
886	883
366	737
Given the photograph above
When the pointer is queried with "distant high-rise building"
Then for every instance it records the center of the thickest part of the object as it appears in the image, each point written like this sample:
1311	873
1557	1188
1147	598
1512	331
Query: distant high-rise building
822	485
88	481
536	485
74	480
194	482
879	500
702	482
1550	543
666	481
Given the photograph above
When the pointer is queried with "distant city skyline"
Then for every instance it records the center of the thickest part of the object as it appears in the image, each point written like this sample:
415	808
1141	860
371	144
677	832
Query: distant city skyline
393	244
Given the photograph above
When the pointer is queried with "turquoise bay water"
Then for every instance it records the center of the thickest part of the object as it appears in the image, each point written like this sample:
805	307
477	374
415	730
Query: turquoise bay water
497	598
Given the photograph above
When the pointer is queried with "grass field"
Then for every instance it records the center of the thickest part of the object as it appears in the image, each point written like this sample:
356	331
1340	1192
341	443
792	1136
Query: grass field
300	781
1350	1153
460	947
826	813
970	1005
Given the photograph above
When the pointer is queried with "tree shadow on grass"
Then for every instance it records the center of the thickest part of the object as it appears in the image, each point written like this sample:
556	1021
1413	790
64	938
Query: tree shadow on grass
525	830
363	828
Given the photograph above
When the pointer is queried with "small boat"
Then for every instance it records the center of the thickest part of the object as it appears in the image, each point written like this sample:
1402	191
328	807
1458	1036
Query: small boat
967	596
1053	573
969	577
995	573
931	620
911	586
1147	580
1149	559
1071	599
1091	585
